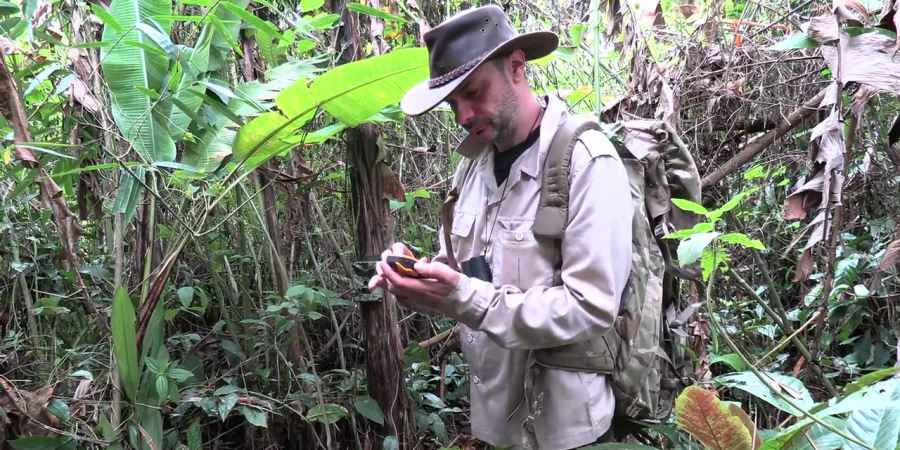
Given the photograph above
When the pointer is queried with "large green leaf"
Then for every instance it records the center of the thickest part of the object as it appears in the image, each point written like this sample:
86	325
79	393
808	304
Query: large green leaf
125	342
129	192
214	146
327	413
189	93
690	249
880	428
131	71
226	26
795	41
369	408
789	386
262	138
352	93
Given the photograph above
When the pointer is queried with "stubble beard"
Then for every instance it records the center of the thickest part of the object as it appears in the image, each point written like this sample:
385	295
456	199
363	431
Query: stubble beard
505	120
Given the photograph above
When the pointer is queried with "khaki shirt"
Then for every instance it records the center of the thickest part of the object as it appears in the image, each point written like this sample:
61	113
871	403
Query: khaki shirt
544	294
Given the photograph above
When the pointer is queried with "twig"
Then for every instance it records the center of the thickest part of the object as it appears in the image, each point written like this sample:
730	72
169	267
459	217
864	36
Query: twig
438	338
778	20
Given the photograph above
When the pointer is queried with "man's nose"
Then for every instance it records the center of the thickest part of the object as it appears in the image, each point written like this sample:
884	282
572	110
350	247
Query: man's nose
464	115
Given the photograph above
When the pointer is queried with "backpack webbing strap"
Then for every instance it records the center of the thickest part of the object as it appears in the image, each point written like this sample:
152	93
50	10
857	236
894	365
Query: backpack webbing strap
553	210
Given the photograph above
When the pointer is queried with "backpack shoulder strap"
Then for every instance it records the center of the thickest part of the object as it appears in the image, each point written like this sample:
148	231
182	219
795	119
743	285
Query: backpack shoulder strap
553	210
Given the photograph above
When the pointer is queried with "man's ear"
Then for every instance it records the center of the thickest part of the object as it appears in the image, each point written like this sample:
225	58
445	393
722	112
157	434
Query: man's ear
517	64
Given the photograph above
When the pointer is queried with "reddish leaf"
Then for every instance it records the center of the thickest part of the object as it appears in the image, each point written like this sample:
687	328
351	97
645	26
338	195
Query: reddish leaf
392	186
804	267
699	412
748	422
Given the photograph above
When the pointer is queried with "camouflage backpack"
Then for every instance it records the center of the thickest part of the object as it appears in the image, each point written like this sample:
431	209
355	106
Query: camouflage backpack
640	352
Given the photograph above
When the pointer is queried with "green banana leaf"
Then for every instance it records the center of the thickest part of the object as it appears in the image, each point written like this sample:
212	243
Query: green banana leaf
189	93
132	70
352	93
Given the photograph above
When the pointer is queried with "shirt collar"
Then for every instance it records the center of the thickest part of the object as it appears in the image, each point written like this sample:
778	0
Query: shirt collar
553	116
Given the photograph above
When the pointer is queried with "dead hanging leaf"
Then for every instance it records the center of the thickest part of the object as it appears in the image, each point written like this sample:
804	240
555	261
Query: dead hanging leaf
891	256
392	186
804	267
80	92
821	192
700	412
868	59
861	99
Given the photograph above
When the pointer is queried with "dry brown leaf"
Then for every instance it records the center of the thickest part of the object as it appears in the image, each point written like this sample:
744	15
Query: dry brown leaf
823	29
861	99
868	59
393	188
804	267
80	92
797	205
891	256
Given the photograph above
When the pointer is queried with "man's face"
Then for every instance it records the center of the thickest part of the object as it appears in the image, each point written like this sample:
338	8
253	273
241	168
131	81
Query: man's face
486	105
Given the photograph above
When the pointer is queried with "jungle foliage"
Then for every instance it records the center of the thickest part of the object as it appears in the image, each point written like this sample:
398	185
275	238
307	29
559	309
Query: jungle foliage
191	192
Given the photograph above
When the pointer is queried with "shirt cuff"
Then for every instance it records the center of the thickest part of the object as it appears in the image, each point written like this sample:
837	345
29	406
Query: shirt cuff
469	301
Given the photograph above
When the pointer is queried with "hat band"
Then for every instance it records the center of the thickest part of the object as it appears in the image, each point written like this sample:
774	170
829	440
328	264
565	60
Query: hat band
454	74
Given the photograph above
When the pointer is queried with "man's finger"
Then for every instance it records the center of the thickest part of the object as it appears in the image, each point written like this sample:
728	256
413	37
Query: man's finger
376	281
399	249
438	271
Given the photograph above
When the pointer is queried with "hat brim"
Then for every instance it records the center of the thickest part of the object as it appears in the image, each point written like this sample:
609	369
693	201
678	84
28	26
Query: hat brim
421	98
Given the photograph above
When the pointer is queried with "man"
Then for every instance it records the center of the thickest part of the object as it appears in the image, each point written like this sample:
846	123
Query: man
530	293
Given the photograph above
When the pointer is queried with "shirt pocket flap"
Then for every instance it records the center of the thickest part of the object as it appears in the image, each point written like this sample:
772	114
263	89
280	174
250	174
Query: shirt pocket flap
463	224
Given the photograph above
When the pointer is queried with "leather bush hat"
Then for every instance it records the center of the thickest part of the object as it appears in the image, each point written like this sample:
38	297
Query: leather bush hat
461	44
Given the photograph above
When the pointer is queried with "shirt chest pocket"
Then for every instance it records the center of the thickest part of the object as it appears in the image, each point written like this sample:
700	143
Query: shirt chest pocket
522	260
461	235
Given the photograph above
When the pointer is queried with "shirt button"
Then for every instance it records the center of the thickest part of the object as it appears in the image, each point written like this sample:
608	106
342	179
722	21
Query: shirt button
470	338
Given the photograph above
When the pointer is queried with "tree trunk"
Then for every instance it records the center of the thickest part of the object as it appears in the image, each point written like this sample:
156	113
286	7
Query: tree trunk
384	351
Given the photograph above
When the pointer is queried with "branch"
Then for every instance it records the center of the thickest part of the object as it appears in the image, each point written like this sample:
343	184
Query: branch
758	145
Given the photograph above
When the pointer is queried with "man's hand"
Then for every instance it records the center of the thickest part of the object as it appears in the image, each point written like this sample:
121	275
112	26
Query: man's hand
436	280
